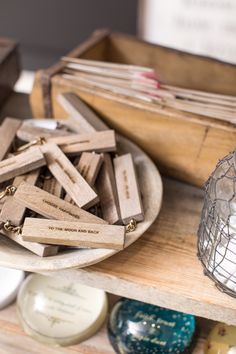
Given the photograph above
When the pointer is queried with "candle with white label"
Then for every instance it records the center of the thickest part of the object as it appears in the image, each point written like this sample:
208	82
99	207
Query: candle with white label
60	312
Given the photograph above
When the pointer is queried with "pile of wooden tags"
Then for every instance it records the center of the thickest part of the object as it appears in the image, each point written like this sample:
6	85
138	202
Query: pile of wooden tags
141	83
63	183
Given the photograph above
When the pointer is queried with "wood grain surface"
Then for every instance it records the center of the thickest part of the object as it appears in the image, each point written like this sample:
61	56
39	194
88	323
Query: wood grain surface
84	118
162	267
50	206
67	175
107	192
12	210
42	250
20	164
8	131
104	141
73	233
128	189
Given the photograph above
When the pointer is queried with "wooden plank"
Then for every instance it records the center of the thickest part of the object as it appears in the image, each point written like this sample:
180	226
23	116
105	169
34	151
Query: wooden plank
162	267
107	192
70	179
128	189
52	186
20	164
88	166
12	210
57	232
40	249
97	142
8	131
29	132
86	120
50	206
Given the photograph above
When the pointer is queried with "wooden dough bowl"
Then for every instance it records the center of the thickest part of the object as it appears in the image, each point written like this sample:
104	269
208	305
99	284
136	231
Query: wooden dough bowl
14	256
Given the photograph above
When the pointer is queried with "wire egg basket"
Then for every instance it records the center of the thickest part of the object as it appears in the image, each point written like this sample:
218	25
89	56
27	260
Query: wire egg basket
217	229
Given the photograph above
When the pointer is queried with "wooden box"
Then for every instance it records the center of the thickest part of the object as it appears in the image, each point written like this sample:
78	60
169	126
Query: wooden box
185	146
9	67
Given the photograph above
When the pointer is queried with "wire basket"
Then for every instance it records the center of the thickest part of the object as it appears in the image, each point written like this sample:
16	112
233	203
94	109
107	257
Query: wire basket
217	229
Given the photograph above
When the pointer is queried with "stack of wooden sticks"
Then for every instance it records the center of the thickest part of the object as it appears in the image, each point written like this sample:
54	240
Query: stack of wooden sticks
141	83
63	184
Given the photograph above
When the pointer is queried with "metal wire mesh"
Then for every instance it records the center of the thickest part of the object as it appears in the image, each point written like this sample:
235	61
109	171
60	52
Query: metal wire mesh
217	229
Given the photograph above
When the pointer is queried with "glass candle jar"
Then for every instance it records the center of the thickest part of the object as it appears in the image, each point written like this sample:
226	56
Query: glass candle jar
221	340
58	311
135	327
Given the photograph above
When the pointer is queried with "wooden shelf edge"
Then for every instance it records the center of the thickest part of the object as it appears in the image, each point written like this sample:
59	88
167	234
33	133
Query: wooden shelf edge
153	295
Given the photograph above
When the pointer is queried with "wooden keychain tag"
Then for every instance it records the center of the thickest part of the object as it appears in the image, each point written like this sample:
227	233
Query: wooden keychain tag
74	233
88	166
8	131
11	209
67	175
84	118
106	187
104	141
50	206
128	189
30	132
20	164
41	249
52	186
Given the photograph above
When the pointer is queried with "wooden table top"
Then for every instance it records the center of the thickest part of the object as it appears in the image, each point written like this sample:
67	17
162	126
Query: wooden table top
162	267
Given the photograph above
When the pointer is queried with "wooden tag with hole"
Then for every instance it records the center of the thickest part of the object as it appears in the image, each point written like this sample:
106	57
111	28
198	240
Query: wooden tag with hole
107	192
40	249
67	175
85	119
52	186
8	131
20	164
74	233
128	189
88	166
11	209
50	206
97	142
29	132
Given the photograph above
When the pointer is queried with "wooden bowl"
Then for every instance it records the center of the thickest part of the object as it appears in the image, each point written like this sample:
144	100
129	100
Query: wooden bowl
14	256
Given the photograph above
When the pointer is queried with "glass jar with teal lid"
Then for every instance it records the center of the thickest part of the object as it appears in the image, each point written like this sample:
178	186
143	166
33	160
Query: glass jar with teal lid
135	327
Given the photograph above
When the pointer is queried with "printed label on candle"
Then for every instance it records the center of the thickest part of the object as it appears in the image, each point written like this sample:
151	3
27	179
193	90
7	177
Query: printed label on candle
60	309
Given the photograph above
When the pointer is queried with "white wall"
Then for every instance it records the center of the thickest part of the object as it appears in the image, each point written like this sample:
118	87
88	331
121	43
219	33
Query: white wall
206	27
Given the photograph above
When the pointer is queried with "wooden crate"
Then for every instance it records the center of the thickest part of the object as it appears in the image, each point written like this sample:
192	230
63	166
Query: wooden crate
9	67
185	146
